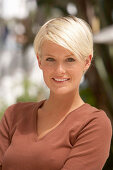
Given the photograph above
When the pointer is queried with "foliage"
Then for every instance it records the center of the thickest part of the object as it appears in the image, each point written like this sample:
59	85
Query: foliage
88	96
98	14
3	107
31	93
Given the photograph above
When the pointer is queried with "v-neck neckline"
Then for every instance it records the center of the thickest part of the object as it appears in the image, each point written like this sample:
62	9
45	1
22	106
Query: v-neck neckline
40	104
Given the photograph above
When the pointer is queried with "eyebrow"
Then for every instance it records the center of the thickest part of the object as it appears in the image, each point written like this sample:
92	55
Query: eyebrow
64	56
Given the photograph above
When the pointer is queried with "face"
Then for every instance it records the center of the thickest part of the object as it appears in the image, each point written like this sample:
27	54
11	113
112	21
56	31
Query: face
62	72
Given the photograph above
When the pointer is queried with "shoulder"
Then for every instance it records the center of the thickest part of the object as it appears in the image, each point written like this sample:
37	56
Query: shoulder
91	124
22	106
90	111
19	110
97	120
96	113
17	107
89	114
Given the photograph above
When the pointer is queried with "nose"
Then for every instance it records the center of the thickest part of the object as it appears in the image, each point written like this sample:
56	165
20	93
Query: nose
60	69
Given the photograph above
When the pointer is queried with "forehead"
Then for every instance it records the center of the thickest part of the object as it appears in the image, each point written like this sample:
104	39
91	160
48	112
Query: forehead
50	48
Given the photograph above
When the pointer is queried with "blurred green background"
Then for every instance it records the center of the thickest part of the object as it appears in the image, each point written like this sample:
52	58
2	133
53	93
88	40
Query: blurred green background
20	77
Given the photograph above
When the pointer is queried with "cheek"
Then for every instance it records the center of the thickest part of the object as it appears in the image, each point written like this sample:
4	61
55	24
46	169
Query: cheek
76	72
47	66
46	72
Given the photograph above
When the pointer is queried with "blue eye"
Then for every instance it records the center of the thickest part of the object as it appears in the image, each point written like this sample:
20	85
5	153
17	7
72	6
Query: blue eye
70	59
50	59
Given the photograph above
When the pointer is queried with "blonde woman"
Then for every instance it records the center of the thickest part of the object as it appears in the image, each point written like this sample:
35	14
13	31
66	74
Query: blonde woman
61	132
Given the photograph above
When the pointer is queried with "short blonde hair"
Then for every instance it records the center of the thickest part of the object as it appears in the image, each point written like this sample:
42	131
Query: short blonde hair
70	32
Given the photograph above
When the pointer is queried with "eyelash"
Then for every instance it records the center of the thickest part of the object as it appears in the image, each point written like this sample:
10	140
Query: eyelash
52	59
72	59
49	59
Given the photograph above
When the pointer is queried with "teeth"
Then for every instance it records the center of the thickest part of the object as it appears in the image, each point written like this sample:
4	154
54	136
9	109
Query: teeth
60	79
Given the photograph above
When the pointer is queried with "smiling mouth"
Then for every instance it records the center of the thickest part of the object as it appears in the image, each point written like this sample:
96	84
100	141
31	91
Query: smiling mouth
60	80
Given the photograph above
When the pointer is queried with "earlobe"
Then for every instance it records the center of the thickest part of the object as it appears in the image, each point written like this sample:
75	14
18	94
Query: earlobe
38	59
39	63
90	56
88	62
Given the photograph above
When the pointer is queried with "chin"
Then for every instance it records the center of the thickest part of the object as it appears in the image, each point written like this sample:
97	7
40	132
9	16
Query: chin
62	91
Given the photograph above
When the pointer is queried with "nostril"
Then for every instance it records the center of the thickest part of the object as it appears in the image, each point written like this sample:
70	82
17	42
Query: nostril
60	69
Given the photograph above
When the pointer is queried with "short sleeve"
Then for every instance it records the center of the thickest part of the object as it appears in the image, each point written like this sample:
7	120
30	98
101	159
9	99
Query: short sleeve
92	146
5	127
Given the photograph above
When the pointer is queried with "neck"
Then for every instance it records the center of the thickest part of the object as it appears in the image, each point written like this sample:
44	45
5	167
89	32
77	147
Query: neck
63	103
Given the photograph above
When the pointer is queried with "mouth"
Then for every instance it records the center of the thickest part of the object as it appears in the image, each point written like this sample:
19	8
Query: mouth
61	80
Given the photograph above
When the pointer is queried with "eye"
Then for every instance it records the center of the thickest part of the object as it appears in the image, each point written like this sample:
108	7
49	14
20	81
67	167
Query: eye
50	59
70	59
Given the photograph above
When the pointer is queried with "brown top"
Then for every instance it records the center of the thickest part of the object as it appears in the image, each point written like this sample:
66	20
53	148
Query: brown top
80	142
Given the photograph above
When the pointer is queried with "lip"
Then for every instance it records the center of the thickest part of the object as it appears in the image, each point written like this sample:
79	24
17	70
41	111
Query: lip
60	78
60	81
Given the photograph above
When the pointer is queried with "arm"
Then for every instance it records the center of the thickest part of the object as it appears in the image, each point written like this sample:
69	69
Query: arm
5	127
92	146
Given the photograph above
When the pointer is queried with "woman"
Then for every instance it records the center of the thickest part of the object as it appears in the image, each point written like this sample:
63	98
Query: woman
61	132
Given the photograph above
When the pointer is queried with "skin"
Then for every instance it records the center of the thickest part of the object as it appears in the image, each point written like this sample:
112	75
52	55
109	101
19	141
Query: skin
58	62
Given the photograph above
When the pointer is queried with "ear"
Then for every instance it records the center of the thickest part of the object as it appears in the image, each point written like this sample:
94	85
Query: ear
39	61
87	62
